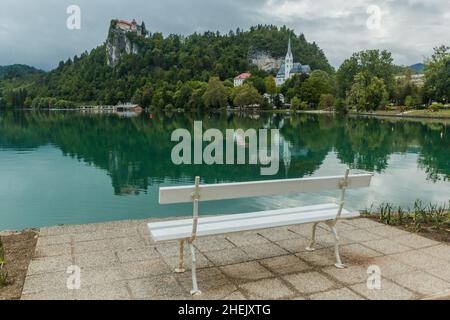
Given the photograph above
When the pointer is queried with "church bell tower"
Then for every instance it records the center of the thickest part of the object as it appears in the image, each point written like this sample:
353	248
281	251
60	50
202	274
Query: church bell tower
289	62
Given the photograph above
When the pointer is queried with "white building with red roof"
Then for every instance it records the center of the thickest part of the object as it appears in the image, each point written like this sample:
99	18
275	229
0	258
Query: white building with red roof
240	79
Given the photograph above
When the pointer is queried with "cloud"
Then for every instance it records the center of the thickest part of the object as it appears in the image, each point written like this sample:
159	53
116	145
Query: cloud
35	33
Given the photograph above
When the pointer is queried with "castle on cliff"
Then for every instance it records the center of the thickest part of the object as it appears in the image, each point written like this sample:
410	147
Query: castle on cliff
132	26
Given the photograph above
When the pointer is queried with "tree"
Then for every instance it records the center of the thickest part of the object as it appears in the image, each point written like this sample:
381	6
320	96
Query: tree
270	85
437	71
367	92
258	83
298	104
376	63
246	95
317	84
326	101
216	94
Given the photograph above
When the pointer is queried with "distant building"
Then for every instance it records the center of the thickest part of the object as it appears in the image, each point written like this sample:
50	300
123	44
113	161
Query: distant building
239	80
289	69
417	79
131	26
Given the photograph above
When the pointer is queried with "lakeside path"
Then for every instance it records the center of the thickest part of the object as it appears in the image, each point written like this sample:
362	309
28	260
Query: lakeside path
118	260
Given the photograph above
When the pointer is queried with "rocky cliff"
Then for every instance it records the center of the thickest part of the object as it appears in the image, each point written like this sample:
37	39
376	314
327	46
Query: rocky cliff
264	60
119	43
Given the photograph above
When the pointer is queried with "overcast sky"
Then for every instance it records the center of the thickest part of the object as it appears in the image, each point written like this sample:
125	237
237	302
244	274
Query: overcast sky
34	32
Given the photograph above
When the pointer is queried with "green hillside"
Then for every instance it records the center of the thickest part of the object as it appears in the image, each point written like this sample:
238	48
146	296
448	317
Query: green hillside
163	64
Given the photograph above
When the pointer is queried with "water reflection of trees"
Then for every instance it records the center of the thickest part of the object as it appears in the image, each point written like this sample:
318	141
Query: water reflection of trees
136	152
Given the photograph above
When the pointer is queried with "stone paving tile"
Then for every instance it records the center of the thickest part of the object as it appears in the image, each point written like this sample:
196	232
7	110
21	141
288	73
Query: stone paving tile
67	229
416	242
53	240
294	245
53	281
423	283
91	246
127	243
389	266
339	294
202	261
236	295
350	275
327	240
246	271
135	255
111	291
100	276
212	282
96	259
142	269
344	226
363	223
53	250
309	282
442	272
358	235
386	246
285	264
357	253
227	256
246	238
88	237
305	230
419	260
49	264
441	251
263	251
171	249
267	289
160	287
319	258
388	291
213	244
50	295
278	234
389	232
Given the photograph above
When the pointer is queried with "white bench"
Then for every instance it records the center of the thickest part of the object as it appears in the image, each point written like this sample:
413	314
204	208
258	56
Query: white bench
187	230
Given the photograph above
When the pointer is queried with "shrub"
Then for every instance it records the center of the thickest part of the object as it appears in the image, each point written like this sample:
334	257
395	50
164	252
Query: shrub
326	101
340	107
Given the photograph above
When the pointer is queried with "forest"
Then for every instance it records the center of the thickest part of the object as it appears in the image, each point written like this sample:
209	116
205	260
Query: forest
196	72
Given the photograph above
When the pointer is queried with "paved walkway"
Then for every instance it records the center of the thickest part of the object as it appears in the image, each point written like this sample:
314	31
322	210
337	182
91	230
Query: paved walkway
119	261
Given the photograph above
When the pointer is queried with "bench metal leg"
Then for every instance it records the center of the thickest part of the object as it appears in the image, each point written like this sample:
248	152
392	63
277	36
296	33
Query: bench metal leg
313	239
180	268
339	263
195	291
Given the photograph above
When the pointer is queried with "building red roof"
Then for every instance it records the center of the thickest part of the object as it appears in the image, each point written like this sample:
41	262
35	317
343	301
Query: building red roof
126	22
245	75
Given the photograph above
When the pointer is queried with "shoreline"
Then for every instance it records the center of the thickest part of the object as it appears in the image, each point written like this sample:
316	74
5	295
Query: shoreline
258	111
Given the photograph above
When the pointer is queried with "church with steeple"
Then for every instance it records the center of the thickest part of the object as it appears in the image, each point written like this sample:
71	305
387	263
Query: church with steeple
288	69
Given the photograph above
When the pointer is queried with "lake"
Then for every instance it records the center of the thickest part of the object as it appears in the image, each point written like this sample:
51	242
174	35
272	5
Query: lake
72	168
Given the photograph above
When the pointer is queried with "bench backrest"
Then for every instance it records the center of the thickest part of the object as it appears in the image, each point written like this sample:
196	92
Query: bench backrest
223	191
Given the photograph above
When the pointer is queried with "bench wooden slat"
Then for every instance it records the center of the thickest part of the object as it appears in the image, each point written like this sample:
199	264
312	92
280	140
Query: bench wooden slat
182	194
234	224
223	218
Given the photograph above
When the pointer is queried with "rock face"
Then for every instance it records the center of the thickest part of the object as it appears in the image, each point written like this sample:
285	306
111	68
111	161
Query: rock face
118	44
265	61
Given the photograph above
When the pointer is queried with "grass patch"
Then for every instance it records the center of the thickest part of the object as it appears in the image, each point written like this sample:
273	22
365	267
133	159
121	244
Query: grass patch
3	273
420	218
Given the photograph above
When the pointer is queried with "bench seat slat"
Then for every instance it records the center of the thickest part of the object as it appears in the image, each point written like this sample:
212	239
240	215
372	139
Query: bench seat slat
221	218
270	219
226	191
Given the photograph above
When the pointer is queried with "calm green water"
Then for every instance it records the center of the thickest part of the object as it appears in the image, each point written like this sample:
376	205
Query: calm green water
67	168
